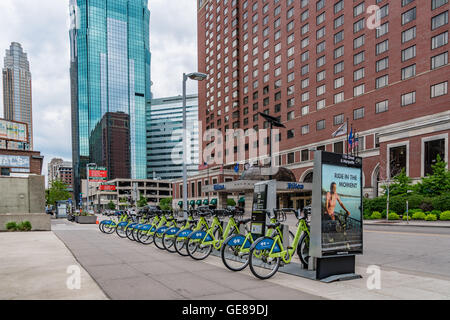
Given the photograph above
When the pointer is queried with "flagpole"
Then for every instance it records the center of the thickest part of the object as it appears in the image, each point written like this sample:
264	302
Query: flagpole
346	141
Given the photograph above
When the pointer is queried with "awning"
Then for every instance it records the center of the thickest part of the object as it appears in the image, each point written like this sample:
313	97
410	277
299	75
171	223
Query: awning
214	201
180	203
241	200
206	202
192	202
198	202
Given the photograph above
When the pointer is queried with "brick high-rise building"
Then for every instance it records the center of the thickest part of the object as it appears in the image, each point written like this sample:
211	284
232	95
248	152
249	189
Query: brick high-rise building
313	64
58	169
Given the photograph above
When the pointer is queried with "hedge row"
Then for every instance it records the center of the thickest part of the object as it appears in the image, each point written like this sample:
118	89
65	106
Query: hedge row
416	201
416	214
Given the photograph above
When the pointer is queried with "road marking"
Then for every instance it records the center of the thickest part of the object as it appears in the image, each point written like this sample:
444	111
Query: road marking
411	233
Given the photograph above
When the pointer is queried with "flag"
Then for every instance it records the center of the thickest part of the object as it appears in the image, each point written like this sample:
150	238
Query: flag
236	168
350	138
340	131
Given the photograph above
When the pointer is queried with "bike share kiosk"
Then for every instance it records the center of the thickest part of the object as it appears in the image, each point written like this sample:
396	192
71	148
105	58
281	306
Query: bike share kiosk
337	215
264	202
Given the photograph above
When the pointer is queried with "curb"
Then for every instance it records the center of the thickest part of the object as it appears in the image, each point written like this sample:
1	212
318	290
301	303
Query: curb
405	225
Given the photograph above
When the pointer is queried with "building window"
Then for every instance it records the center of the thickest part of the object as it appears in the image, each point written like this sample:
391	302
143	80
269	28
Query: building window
437	3
290	133
338	147
382	30
358	90
409	34
320	125
358	113
291	157
408	72
433	148
338	119
358	74
439	89
397	160
409	16
439	20
382	106
382	81
305	155
408	98
305	129
439	40
382	64
382	47
439	60
408	53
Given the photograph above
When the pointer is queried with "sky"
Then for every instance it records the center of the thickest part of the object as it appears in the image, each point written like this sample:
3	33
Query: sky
42	27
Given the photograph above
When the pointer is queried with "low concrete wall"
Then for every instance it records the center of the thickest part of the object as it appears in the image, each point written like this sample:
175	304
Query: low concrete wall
39	221
22	195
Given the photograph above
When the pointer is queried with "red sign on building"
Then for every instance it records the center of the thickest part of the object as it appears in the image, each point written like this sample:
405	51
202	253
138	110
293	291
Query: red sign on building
107	187
98	174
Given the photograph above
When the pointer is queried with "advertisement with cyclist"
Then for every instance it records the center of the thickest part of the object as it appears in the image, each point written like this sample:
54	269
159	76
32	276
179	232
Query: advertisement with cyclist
341	205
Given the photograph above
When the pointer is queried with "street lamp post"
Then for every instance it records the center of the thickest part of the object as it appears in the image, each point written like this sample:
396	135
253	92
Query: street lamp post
87	183
197	76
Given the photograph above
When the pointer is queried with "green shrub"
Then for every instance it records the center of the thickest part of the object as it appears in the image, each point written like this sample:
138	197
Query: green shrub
445	216
441	202
367	217
24	226
393	216
437	213
431	217
375	215
419	216
12	226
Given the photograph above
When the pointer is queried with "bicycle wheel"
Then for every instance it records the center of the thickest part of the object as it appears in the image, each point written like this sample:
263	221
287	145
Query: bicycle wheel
168	241
158	239
180	242
261	265
129	232
231	254
145	237
196	249
134	234
303	250
121	230
108	228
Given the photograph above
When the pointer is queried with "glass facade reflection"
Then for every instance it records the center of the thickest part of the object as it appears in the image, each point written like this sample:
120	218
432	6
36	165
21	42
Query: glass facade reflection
110	75
164	137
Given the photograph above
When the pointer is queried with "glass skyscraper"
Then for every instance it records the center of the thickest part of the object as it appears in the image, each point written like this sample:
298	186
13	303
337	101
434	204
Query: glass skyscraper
110	83
17	100
164	137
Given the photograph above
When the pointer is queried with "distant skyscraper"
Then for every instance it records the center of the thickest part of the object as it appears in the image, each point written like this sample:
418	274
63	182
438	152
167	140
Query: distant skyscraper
110	74
164	136
17	101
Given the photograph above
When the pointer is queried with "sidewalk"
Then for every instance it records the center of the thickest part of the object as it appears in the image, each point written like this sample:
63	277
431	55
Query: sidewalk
33	266
411	223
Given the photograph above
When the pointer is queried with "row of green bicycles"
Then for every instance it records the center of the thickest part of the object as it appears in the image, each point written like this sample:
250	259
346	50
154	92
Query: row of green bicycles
201	231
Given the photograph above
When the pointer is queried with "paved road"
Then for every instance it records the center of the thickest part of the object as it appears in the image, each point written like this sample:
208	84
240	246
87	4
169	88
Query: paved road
416	250
128	270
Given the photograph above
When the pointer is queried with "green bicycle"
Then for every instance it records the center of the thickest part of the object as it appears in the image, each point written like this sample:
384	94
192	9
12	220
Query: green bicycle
267	253
145	233
181	236
108	226
236	248
201	243
168	238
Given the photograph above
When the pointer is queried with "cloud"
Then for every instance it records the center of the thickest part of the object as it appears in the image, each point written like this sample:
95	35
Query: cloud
42	29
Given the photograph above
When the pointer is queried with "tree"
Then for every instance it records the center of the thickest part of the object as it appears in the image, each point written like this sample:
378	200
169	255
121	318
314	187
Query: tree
142	202
111	206
401	184
438	182
57	192
166	203
231	202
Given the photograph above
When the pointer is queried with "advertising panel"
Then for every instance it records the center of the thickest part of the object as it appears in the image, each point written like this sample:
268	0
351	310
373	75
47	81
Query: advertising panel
338	227
98	174
13	131
107	187
14	161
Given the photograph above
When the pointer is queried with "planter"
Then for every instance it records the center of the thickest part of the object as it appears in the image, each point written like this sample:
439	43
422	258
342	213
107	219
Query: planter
86	219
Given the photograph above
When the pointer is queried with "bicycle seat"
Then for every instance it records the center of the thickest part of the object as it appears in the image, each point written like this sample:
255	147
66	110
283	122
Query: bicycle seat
273	225
244	221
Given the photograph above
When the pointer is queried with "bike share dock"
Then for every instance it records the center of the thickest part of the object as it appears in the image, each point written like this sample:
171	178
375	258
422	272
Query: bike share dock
336	219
